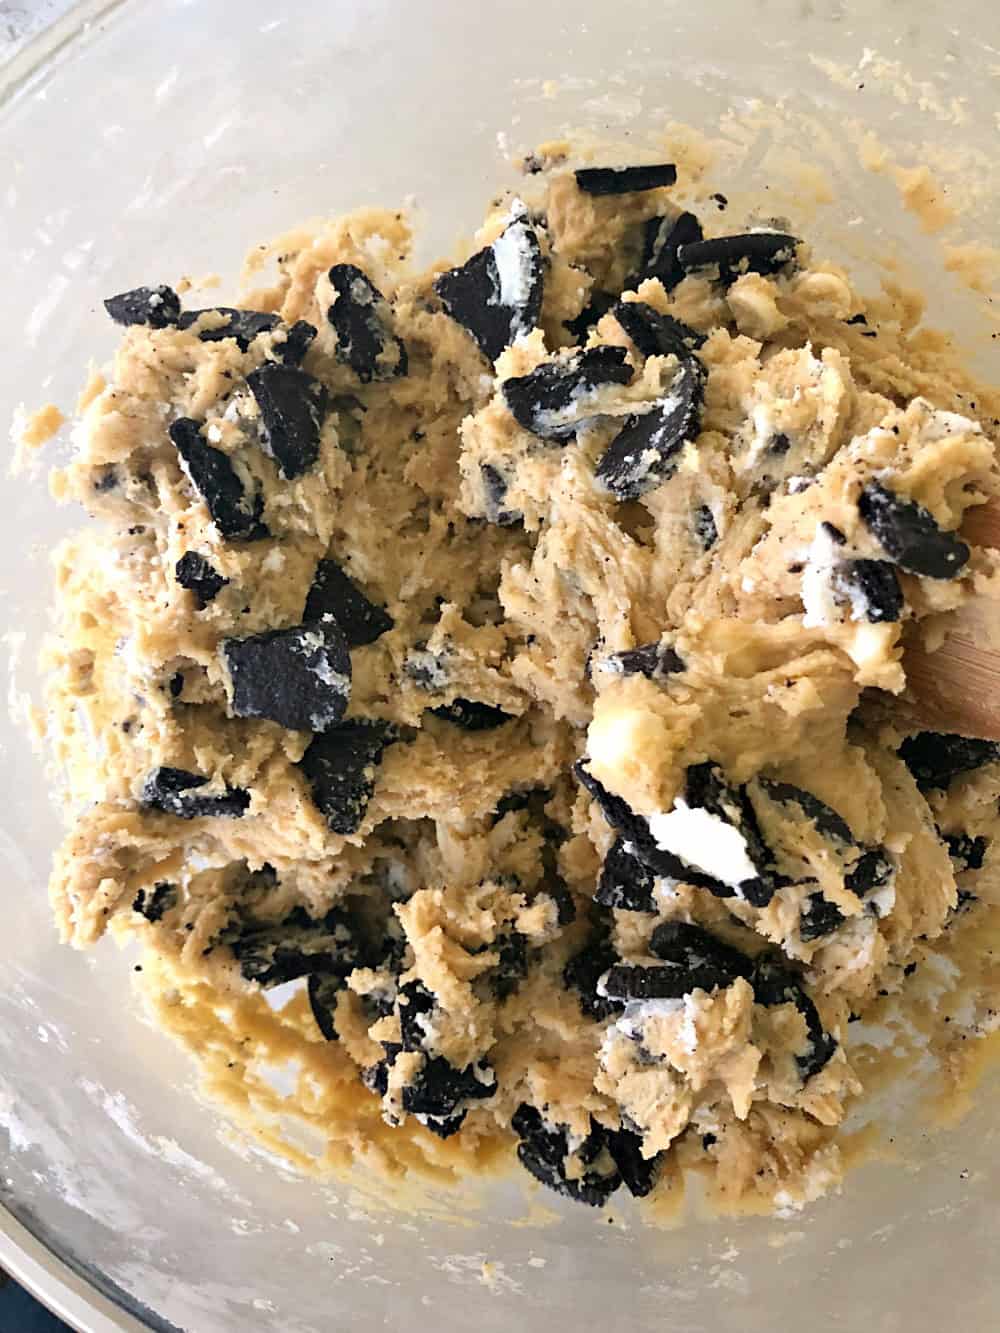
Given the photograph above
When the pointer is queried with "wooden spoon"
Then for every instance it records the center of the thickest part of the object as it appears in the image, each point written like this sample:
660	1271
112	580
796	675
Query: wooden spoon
957	687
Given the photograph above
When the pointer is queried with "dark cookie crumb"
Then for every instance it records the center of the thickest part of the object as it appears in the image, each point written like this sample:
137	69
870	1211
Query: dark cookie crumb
155	307
334	594
174	791
152	905
299	677
194	572
646	451
472	715
362	320
625	180
340	765
935	758
909	534
293	406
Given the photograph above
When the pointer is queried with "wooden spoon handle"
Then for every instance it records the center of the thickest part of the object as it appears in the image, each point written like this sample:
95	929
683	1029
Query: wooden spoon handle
957	687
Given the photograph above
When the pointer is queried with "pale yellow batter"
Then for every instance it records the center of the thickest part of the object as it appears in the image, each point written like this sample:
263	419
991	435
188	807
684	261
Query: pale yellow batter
766	553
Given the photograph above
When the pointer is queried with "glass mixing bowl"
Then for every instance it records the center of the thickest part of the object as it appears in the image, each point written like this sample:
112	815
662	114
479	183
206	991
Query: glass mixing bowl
153	138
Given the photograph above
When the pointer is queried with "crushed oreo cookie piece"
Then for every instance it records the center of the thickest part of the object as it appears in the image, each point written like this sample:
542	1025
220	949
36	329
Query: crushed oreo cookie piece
652	660
297	342
334	594
362	320
440	1091
472	715
496	295
414	1004
299	677
155	307
293	406
910	535
625	180
819	917
706	532
775	984
873	870
705	788
662	238
241	325
599	305
544	1151
174	791
494	495
764	252
639	1174
512	964
692	960
871	588
625	884
551	400
322	992
655	334
194	572
299	946
646	451
968	853
339	766
234	510
706	962
586	967
635	830
152	904
826	820
935	758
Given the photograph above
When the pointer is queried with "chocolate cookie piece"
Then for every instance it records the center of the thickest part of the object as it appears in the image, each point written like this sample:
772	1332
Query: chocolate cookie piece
625	883
301	945
935	758
472	715
646	451
441	1092
586	967
293	406
496	295
340	765
652	660
362	319
194	572
297	342
826	820
625	180
599	305
873	870
910	535
299	677
153	903
334	594
174	791
762	252
544	1151
707	962
155	307
655	334
705	788
414	1003
819	917
662	238
511	948
706	532
639	1174
692	960
494	495
871	588
635	830
775	984
547	400
968	853
323	991
241	325
235	510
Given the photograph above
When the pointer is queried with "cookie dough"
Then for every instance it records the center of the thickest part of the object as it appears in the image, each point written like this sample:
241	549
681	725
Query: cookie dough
502	653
